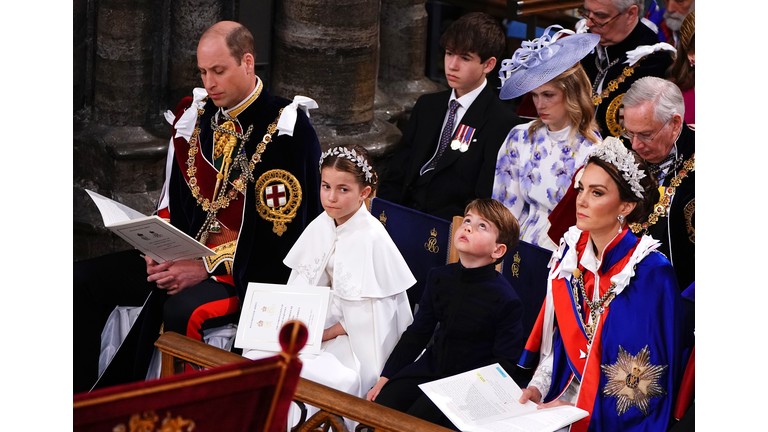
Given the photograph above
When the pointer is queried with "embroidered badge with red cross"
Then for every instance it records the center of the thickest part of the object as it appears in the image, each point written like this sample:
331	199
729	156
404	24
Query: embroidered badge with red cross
275	195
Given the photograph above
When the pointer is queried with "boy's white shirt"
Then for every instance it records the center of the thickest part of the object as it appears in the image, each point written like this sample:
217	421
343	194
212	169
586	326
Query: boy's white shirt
464	103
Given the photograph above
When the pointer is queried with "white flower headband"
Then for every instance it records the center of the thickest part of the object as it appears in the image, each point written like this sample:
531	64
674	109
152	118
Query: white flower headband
613	151
359	160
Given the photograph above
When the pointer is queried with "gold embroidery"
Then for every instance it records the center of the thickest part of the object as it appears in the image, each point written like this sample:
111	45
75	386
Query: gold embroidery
690	208
224	252
613	116
147	422
236	111
383	218
516	265
633	380
431	244
661	209
279	215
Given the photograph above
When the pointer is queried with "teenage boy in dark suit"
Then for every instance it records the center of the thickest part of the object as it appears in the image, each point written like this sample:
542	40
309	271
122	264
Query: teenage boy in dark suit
447	155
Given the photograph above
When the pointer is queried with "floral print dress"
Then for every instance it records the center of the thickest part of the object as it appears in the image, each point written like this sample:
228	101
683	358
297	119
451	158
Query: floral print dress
533	174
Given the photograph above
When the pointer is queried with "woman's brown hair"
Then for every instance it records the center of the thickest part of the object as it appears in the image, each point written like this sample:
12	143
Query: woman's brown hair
650	187
681	72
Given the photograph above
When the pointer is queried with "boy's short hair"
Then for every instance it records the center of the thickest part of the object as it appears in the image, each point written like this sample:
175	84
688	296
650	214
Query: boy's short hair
495	213
477	33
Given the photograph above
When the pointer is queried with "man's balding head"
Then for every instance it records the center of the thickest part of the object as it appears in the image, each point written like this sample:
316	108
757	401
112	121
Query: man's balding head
238	39
225	60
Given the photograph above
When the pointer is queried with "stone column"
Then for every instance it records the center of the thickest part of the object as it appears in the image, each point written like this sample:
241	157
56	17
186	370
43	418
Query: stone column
123	62
117	152
403	54
329	52
189	19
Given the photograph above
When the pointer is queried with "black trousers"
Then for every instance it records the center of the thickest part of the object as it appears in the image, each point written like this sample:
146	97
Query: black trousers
405	396
102	283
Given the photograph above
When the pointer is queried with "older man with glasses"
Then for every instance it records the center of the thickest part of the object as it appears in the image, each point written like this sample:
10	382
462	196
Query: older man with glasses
628	51
653	121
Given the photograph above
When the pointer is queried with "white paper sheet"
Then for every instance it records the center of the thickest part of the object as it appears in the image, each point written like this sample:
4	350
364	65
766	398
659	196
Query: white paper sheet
152	235
486	400
268	306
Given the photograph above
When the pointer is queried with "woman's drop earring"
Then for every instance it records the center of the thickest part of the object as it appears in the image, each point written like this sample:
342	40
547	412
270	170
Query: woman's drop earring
621	222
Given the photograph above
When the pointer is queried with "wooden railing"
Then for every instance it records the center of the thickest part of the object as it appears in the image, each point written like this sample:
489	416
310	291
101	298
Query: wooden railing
334	405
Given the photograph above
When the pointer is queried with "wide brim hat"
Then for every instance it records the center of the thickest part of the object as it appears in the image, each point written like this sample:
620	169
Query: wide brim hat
539	61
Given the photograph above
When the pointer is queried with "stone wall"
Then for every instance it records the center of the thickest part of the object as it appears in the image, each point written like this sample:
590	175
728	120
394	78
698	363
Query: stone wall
134	59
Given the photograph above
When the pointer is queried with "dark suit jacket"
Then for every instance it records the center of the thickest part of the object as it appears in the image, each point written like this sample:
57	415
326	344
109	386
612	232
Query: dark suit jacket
676	232
458	177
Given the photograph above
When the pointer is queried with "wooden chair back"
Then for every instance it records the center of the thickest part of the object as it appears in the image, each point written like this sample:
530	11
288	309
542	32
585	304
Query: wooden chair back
244	396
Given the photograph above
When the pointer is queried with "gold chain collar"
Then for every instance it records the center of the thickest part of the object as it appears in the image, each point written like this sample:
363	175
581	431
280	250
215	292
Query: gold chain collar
597	99
223	199
595	308
661	209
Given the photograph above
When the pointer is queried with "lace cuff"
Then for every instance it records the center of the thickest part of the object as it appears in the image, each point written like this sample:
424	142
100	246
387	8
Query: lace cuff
542	378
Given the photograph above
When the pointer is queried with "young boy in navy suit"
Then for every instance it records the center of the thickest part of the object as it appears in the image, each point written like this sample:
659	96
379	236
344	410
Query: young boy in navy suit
447	155
478	312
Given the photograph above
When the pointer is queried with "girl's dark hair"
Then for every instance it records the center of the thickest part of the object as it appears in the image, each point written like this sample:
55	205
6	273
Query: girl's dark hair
648	183
341	163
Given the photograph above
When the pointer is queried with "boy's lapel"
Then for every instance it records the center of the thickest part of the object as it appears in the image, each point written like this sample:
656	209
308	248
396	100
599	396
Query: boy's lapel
474	118
432	126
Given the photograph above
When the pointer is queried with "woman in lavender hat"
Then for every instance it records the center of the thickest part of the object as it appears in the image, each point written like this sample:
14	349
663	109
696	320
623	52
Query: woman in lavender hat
537	161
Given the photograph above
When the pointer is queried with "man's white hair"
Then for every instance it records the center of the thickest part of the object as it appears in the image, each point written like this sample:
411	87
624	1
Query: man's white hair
622	5
665	96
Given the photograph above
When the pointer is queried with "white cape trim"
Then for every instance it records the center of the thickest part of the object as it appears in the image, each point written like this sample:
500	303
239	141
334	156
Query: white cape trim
367	264
568	264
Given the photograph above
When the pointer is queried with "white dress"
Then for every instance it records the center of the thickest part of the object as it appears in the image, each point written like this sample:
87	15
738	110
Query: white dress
533	174
368	279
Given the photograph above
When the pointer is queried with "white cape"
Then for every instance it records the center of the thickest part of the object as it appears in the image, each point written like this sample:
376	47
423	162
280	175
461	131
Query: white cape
369	282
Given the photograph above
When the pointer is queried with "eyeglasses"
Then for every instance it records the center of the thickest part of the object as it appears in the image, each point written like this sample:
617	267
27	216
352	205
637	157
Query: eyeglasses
644	138
586	13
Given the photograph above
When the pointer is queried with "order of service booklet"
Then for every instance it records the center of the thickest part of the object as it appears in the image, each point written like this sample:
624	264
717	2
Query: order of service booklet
153	236
268	306
486	400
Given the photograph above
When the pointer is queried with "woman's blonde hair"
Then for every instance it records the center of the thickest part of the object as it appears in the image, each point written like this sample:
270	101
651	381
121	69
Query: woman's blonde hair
576	95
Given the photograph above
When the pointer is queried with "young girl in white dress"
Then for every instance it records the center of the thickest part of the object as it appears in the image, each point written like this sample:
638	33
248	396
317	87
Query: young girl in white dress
349	250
